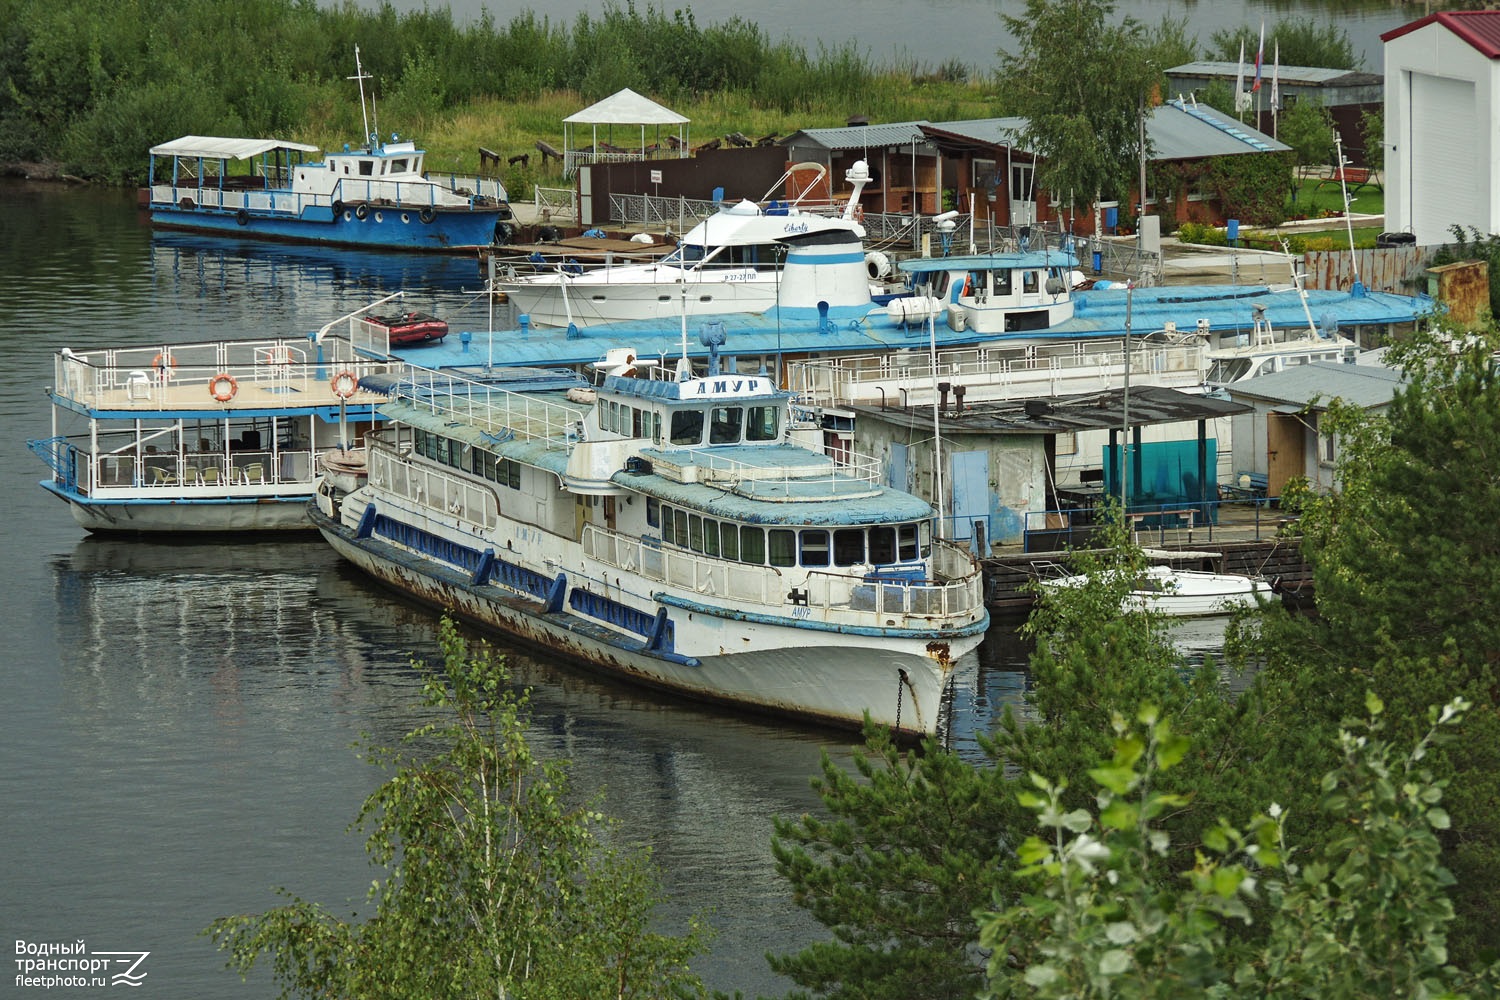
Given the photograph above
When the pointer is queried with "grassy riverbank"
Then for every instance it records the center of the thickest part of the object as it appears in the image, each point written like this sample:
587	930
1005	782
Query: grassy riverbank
92	84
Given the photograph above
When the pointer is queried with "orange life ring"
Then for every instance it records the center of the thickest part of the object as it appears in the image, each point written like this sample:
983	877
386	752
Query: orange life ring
223	387
164	364
344	384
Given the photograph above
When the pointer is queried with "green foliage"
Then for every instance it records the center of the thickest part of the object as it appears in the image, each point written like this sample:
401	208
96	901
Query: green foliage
1404	556
95	84
1372	134
1364	916
1102	919
1194	232
1081	83
1168	44
498	883
1303	42
895	872
915	842
1252	187
1307	127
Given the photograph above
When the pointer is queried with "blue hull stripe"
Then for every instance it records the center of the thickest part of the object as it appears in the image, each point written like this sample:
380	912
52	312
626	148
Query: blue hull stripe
451	230
429	567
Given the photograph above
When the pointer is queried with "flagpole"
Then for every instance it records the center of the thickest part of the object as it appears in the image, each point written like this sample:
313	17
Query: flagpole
1239	86
1260	53
1276	89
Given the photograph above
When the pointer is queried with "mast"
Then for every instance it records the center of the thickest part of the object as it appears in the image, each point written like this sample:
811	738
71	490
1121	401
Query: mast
361	76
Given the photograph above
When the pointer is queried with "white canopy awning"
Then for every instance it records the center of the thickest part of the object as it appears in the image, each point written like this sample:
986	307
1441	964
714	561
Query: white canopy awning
214	148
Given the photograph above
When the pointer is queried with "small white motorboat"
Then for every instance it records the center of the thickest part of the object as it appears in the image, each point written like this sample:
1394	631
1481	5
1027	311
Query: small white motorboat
1181	593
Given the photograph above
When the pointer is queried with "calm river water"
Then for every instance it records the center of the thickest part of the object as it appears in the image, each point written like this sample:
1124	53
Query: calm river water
176	719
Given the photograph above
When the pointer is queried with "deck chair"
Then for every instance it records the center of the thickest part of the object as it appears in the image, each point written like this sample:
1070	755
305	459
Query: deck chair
190	476
255	472
162	477
211	476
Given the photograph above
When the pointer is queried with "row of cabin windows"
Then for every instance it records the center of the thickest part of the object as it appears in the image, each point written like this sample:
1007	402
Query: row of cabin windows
732	255
1031	282
878	545
629	421
367	167
482	463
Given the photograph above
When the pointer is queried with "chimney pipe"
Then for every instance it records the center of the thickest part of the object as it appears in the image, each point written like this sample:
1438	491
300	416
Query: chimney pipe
942	396
958	397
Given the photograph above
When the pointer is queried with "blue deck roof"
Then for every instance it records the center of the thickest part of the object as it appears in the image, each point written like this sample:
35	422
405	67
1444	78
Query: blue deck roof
868	329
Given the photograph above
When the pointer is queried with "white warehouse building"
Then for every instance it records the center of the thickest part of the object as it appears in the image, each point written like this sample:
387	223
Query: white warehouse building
1442	147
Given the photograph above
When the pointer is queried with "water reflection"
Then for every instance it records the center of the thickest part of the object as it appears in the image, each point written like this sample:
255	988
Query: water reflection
257	665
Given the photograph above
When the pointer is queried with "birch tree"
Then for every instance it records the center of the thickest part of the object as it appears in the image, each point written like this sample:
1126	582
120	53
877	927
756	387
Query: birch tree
498	882
1082	84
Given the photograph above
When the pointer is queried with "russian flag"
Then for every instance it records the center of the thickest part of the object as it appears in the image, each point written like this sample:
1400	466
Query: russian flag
1259	52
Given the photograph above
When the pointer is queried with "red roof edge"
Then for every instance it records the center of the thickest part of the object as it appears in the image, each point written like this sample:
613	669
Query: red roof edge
1479	28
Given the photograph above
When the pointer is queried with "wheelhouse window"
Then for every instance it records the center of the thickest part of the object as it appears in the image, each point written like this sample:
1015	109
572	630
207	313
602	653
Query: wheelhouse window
397	167
908	543
763	423
724	424
367	168
687	426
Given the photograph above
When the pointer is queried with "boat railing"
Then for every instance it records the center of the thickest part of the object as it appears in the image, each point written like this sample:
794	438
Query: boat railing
713	465
835	598
437	191
198	375
470	185
895	377
680	214
185	474
428	486
495	411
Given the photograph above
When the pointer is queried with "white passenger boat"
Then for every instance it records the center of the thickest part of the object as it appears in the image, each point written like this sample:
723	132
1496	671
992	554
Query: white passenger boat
220	436
730	262
1179	593
376	196
673	533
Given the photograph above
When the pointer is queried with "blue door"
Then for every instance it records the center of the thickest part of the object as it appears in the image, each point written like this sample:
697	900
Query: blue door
895	468
970	472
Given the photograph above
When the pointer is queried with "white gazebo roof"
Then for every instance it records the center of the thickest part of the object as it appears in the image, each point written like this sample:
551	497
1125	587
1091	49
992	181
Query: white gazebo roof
625	108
